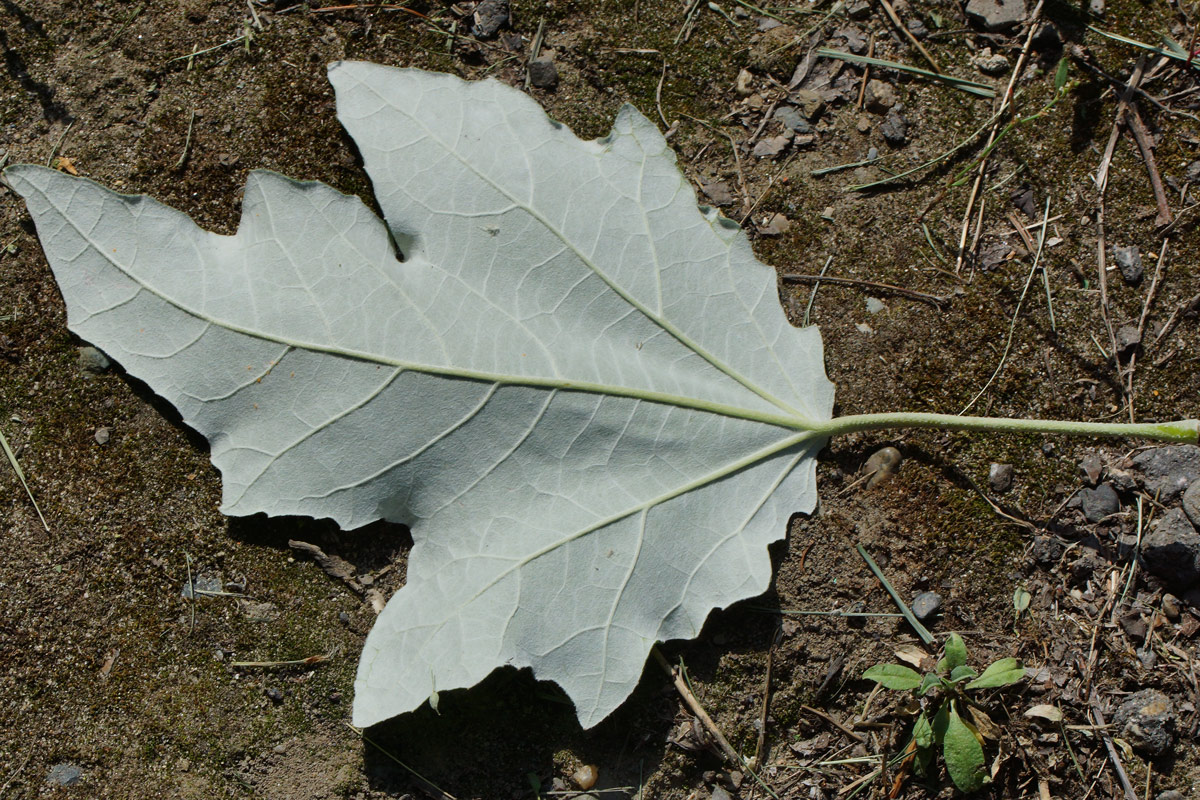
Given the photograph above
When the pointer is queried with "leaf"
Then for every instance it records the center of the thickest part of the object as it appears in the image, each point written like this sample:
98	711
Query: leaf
1021	598
1004	672
922	732
954	654
1050	713
930	680
961	673
579	390
894	676
963	754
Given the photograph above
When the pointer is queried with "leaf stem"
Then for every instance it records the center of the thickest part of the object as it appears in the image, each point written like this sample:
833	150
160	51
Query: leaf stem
1187	430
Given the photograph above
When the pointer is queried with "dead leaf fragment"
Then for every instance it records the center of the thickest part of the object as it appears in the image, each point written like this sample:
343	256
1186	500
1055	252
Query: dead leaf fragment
1045	711
64	164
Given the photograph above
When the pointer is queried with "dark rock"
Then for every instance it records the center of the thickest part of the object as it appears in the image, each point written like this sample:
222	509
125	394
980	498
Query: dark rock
855	41
1121	480
1134	625
1129	260
1191	504
1047	39
1099	503
543	73
1000	477
1172	551
996	15
1022	198
273	694
1192	173
809	102
858	9
792	119
926	605
1128	340
1091	468
916	26
894	129
771	146
92	361
993	254
1046	550
1146	720
490	17
1168	471
64	775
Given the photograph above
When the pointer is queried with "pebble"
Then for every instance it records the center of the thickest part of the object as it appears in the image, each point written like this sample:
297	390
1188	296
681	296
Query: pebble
585	777
1168	471
990	63
777	225
717	192
926	605
1191	504
1128	340
1099	503
744	86
858	9
64	775
92	361
894	128
916	26
1192	173
204	583
490	16
875	305
1170	607
1172	551
996	15
1000	477
273	694
1171	794
809	102
1096	7
543	73
882	466
880	96
771	146
1129	260
719	793
1146	720
102	435
1134	625
1090	468
792	119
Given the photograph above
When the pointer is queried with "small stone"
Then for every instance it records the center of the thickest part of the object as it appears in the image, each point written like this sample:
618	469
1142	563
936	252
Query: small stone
1046	550
990	63
1168	471
1192	173
1099	503
1171	608
875	305
882	466
916	26
777	225
1000	477
925	605
1171	794
203	583
343	618
993	254
585	777
1121	480
863	123
1191	504
996	15
880	96
858	9
273	694
1022	198
792	119
1096	7
1090	468
1172	551
894	129
771	52
1146	720
717	192
543	73
490	16
719	793
809	102
1134	625
855	41
744	86
771	146
102	435
92	361
259	612
64	775
1129	260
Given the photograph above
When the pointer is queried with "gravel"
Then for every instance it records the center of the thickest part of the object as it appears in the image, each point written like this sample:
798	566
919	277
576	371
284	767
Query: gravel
1099	503
1146	720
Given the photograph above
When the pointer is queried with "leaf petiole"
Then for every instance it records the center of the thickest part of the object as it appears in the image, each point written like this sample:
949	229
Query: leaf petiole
1187	430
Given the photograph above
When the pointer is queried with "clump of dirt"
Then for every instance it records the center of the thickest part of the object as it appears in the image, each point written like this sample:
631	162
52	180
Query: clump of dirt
114	683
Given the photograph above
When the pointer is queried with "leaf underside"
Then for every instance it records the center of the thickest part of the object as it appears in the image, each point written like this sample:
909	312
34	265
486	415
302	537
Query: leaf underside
578	389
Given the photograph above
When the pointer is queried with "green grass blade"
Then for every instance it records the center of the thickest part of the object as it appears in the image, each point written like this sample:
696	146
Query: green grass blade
921	630
1169	52
962	84
12	459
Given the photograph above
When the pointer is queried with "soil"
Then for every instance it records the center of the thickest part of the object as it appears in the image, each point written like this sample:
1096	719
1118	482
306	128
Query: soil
107	666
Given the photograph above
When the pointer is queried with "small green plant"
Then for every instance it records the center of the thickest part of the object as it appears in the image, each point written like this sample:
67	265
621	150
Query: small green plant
946	707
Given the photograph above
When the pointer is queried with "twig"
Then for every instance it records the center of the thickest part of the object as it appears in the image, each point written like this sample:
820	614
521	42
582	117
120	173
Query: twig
188	57
1146	147
862	89
762	716
938	301
921	630
1098	719
658	96
690	699
891	12
187	143
536	49
317	659
12	460
16	772
1186	307
1150	294
835	722
187	559
1005	103
58	145
813	294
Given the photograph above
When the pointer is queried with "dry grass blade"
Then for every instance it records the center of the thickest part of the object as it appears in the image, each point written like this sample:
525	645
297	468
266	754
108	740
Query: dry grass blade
428	785
921	630
962	84
12	459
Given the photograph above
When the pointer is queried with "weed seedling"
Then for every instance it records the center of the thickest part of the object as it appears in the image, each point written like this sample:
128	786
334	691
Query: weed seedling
945	695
